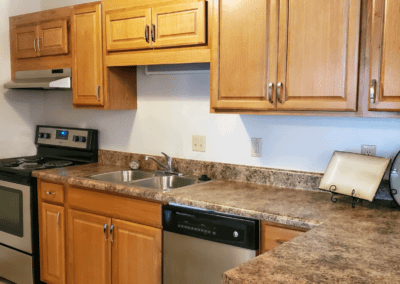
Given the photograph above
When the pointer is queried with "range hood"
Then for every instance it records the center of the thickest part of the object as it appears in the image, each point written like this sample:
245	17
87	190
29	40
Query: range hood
41	79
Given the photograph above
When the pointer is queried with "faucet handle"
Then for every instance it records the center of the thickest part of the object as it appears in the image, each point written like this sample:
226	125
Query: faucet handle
169	161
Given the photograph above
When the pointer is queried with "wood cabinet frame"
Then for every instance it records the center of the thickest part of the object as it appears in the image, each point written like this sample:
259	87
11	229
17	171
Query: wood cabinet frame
173	55
363	81
57	16
135	217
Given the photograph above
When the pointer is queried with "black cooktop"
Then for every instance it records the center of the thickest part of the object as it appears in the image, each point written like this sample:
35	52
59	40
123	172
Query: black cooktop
26	165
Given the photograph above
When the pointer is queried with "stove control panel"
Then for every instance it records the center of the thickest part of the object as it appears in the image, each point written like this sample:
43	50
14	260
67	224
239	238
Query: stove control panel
66	137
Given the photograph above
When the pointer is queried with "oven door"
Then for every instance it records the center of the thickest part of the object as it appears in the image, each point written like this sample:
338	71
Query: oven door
15	216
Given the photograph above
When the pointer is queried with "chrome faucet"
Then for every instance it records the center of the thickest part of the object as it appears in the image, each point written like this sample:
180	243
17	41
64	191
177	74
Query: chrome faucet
168	167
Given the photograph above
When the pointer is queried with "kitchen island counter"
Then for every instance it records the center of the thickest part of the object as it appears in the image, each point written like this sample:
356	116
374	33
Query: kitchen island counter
345	244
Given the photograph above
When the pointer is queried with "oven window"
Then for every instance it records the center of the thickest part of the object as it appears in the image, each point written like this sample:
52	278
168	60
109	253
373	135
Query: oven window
11	217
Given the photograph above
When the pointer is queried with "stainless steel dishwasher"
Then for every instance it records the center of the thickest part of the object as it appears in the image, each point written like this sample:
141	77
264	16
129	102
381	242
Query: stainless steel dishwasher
200	245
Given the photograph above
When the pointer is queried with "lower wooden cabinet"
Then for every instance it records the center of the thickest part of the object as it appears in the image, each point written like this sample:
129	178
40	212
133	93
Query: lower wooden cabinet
275	235
104	250
92	237
136	253
89	248
52	238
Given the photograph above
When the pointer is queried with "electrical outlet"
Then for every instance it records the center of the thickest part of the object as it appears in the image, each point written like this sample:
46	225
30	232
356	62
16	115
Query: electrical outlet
256	147
369	150
198	143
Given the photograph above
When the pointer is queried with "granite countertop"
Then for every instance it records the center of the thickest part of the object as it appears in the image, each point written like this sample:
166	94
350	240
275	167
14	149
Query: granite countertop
345	244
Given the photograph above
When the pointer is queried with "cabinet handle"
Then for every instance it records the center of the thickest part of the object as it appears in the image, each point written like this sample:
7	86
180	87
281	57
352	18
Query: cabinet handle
34	44
146	33
269	95
112	233
58	218
153	33
39	44
278	91
372	91
105	232
49	192
98	92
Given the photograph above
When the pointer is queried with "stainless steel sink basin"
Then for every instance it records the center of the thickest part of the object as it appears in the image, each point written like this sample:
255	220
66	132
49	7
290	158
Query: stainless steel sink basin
123	176
165	183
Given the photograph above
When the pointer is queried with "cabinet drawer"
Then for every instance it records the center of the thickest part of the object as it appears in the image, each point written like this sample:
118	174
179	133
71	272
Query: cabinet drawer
138	211
52	192
273	236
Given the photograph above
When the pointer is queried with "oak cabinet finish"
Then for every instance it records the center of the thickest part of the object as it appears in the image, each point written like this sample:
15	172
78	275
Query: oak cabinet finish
136	253
40	40
25	40
87	60
385	56
108	238
89	248
273	235
128	29
49	38
179	24
160	26
52	244
286	55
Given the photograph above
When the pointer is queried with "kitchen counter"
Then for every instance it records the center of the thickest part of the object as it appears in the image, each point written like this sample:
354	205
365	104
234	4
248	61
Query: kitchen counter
348	245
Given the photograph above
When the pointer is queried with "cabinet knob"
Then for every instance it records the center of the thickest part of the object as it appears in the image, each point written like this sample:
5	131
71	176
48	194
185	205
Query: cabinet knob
49	192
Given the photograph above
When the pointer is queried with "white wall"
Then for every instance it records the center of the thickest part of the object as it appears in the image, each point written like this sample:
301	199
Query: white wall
173	108
20	111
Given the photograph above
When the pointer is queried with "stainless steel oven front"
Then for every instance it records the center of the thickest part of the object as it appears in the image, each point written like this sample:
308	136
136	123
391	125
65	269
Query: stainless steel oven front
15	232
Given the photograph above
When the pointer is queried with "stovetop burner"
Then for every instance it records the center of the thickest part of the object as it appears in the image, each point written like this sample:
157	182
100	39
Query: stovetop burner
32	166
10	164
58	163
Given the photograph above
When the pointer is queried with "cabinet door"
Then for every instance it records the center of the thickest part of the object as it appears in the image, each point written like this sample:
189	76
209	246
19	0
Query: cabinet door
53	38
89	249
318	54
244	62
128	29
136	253
385	56
273	236
26	41
179	24
52	241
87	72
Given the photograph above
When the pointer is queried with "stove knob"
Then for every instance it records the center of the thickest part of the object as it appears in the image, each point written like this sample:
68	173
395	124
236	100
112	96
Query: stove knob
46	135
40	135
235	234
75	138
82	139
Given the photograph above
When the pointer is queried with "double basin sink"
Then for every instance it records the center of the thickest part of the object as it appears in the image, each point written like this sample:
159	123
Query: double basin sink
156	180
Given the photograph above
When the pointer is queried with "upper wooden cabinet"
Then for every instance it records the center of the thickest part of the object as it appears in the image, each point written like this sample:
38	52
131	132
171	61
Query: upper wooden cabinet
40	40
385	56
49	38
128	29
285	55
160	26
156	32
87	57
93	84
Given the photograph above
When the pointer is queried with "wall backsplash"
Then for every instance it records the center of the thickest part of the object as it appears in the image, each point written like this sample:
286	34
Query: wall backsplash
259	175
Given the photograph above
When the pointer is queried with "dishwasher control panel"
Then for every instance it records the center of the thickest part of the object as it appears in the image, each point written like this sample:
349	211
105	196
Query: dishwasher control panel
208	225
